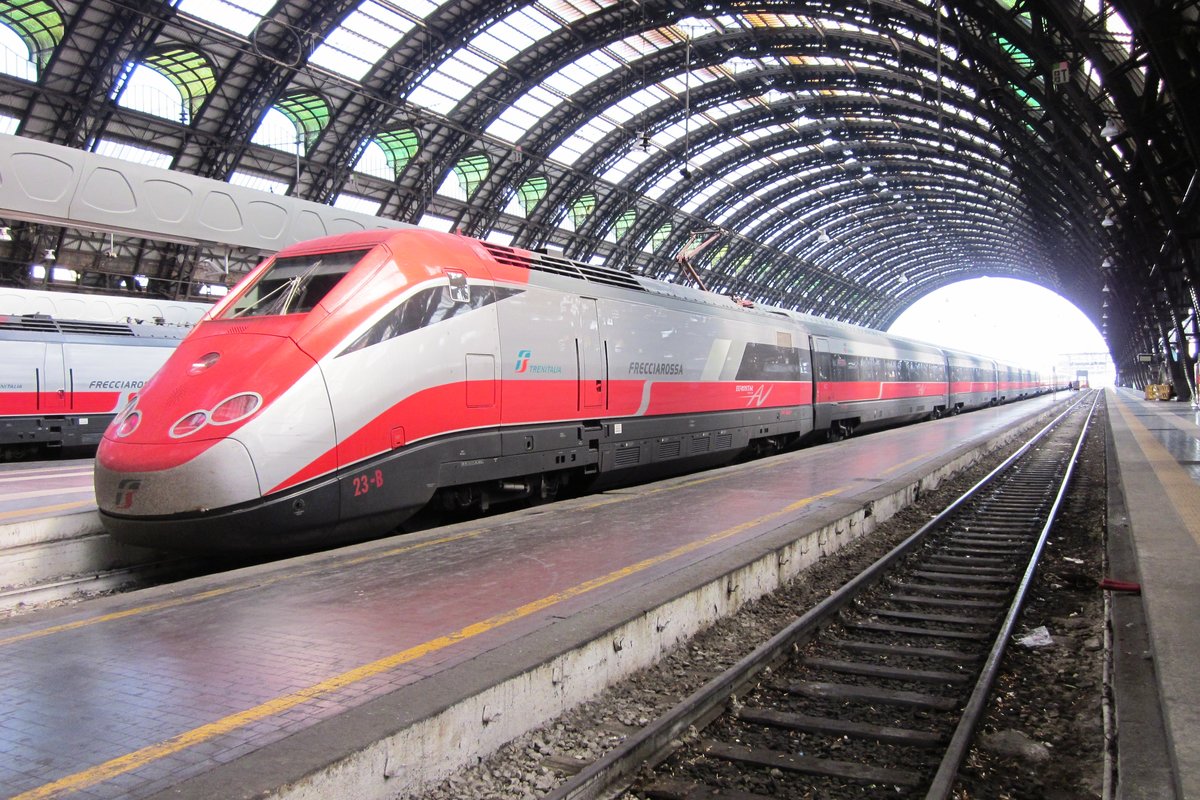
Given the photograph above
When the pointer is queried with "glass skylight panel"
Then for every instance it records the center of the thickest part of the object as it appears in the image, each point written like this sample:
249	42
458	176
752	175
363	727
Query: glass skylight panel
580	142
441	91
582	72
719	149
695	27
574	10
366	35
636	103
523	114
516	32
8	124
436	223
239	16
278	132
668	180
129	152
620	171
149	91
500	237
260	182
14	56
374	162
362	205
703	196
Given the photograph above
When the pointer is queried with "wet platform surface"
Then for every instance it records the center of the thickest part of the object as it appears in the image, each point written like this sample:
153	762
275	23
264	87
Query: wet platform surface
1156	447
234	684
36	490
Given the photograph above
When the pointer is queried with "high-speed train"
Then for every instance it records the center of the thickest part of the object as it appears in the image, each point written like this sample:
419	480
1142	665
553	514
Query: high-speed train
350	380
72	361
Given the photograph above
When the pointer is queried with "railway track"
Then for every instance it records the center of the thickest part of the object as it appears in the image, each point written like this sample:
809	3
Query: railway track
879	688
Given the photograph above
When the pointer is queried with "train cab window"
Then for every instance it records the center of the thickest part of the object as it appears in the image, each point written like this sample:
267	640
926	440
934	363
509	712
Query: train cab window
429	307
294	285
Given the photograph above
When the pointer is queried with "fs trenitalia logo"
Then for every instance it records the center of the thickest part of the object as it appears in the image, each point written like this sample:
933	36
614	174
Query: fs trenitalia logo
126	489
523	360
525	365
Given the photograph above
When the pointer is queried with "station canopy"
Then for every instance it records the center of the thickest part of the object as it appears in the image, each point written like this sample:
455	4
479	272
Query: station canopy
845	158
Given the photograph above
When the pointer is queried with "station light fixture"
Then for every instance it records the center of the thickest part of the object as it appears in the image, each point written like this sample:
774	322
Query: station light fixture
48	254
824	238
1112	129
5	234
1108	221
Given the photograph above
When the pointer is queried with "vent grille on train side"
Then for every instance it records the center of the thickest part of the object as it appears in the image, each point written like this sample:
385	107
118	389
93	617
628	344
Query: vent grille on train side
627	456
40	323
556	265
670	449
723	441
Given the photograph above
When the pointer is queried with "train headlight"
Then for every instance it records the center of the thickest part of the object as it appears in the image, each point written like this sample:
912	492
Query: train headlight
189	424
130	405
236	408
203	362
129	424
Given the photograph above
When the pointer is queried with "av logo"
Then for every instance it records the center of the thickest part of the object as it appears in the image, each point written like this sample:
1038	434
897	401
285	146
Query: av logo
755	395
126	489
523	360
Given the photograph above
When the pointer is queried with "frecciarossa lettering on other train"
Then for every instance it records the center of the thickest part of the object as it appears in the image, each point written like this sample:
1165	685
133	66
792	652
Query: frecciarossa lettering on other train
349	381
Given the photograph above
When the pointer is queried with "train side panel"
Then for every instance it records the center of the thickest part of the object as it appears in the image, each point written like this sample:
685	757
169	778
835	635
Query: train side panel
61	391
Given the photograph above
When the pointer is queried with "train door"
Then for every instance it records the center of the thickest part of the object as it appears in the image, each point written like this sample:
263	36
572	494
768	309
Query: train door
592	366
54	392
821	377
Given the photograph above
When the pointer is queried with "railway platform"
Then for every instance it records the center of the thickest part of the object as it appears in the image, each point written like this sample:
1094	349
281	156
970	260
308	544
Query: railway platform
51	541
371	670
1154	542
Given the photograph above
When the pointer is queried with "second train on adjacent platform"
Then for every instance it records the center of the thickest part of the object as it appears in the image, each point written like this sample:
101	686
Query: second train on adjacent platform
349	381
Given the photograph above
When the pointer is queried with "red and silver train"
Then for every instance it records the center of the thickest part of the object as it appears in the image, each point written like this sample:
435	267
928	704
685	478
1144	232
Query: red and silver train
72	361
350	380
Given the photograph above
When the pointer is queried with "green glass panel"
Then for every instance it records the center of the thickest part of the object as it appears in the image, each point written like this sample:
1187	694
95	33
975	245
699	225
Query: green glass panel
399	147
189	71
624	223
308	112
471	172
660	236
581	208
531	192
38	24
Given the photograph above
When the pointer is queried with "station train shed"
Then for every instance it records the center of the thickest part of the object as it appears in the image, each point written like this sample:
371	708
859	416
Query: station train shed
844	158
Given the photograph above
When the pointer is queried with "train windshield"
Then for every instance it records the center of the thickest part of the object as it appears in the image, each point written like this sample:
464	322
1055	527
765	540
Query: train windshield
294	285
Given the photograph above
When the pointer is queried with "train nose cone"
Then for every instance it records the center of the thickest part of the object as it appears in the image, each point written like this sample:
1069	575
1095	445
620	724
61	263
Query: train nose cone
220	474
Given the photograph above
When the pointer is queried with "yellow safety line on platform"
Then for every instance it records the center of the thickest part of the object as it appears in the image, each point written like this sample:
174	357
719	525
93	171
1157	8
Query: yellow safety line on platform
39	510
1181	489
904	464
139	758
344	562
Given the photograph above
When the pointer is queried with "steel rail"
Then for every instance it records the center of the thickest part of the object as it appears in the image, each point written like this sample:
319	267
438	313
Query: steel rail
960	742
707	702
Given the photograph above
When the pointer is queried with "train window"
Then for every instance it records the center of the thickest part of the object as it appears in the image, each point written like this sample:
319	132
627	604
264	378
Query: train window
769	362
294	285
425	308
460	290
